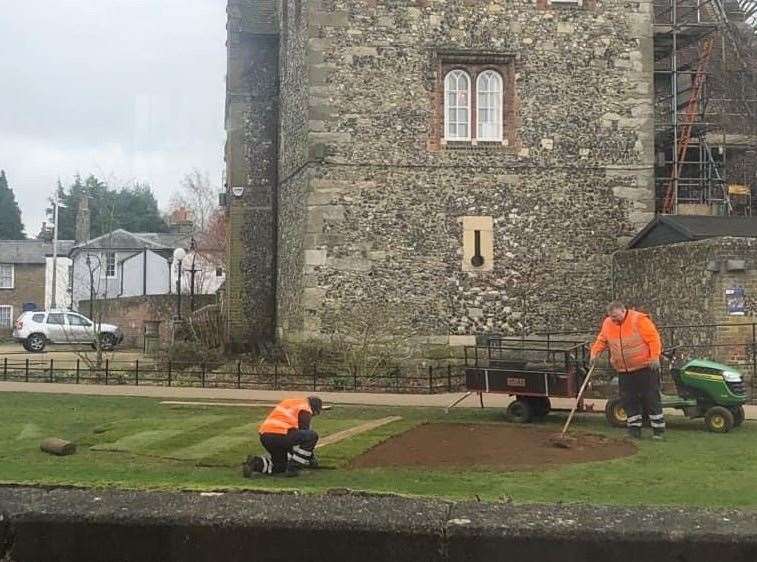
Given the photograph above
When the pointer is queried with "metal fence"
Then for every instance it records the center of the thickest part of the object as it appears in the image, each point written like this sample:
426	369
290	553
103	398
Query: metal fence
737	347
239	375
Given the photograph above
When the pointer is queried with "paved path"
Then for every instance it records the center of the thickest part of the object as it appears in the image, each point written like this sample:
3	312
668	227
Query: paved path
370	399
15	353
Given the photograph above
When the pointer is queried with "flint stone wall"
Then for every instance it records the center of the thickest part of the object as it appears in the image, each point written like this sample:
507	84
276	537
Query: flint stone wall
370	202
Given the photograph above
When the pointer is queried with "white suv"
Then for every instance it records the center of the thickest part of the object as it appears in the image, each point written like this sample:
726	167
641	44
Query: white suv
34	330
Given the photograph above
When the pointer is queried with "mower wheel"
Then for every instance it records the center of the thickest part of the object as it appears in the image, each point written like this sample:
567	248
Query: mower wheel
540	406
738	415
719	419
520	411
616	413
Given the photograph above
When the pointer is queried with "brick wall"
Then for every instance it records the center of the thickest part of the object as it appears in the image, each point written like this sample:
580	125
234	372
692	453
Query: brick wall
130	314
29	286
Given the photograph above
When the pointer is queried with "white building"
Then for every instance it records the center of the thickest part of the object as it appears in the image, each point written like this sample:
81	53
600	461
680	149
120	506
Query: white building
125	264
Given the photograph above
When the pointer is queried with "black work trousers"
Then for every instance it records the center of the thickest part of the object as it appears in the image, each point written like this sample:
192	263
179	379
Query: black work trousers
298	443
640	393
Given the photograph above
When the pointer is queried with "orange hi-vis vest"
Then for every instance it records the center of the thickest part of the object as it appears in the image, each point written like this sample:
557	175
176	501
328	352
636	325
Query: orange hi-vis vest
633	344
285	416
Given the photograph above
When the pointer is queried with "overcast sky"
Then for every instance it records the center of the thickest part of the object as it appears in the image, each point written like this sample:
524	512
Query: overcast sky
129	90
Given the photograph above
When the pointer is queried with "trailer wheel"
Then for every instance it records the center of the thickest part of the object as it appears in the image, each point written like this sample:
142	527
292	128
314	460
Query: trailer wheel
616	413
540	406
719	419
520	411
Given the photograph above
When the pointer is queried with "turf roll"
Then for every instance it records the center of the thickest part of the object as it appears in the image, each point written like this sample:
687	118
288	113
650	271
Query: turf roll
59	447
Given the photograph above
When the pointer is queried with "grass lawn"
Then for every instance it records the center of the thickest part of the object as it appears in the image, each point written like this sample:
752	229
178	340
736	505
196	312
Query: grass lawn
138	443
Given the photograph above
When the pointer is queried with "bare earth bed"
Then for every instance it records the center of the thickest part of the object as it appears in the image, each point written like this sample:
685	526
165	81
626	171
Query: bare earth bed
502	446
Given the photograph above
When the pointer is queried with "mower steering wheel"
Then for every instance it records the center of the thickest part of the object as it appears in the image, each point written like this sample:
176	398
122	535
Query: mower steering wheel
669	353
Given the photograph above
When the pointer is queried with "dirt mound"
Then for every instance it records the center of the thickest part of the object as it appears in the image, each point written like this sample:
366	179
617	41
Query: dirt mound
509	447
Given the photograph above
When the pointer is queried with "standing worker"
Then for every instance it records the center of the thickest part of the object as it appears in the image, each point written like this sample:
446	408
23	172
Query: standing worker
287	436
635	348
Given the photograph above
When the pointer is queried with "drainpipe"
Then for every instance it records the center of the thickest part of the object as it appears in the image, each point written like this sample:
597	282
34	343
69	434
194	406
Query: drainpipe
144	272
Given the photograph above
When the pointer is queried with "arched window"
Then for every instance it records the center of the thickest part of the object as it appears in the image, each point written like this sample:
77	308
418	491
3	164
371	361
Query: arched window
457	106
489	104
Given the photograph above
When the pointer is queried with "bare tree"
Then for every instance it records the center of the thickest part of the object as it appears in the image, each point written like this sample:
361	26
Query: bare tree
97	278
198	196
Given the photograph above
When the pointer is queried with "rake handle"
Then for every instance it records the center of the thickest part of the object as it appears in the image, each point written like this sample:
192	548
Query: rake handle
578	400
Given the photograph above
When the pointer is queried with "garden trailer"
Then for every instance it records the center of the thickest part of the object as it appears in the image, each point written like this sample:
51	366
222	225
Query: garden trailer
532	370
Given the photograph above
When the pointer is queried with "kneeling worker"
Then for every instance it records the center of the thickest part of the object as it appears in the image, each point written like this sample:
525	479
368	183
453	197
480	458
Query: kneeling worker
287	436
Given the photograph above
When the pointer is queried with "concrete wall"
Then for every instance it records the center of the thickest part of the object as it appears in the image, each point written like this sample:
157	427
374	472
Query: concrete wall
133	275
69	525
62	282
158	275
98	284
29	286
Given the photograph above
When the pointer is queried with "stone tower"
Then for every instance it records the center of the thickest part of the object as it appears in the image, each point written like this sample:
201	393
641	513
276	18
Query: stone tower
437	168
252	124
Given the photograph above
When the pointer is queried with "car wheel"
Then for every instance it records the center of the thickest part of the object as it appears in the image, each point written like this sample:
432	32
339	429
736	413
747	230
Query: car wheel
616	413
719	419
519	411
107	341
36	343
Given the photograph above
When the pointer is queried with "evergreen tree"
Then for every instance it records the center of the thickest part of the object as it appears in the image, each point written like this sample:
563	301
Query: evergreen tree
11	227
131	208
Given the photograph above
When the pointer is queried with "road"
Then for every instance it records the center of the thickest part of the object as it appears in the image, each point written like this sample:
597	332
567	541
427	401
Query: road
14	352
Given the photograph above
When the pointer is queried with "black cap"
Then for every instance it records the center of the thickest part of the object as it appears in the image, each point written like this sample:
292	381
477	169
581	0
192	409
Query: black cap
315	404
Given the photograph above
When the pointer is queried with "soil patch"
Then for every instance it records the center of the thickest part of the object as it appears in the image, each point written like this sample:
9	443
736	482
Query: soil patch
509	447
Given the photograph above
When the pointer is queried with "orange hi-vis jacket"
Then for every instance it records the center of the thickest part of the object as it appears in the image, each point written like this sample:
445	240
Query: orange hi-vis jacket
633	344
285	416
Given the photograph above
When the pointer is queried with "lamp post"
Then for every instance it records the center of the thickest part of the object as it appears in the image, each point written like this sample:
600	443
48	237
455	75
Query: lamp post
178	255
192	272
56	205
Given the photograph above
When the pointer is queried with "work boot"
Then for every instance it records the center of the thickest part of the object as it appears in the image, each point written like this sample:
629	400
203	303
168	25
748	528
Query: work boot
314	462
251	466
658	435
634	432
293	469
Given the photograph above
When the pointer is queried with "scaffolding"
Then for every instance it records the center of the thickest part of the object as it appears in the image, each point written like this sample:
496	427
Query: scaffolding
690	175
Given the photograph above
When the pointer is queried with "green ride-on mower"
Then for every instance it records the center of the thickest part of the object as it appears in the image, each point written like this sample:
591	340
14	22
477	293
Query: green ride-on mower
705	389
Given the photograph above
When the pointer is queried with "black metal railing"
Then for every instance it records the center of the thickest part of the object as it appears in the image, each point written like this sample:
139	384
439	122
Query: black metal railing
738	350
314	377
